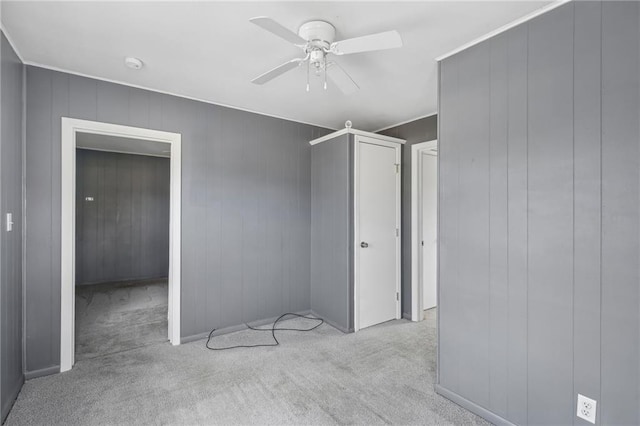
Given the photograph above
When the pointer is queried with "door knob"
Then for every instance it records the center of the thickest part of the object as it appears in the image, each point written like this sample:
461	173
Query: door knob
364	245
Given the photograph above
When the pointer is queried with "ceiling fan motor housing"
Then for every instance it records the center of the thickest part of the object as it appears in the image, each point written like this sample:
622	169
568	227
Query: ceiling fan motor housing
318	31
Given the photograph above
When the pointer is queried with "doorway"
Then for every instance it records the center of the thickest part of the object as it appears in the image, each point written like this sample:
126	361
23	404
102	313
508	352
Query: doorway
377	231
424	220
122	244
123	139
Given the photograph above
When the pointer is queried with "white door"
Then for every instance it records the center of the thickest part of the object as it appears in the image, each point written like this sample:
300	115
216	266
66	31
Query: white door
378	212
429	242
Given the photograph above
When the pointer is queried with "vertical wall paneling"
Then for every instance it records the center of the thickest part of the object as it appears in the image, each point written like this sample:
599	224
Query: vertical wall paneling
517	175
107	102
139	108
473	222
563	191
123	234
230	159
587	200
352	230
271	203
40	285
11	108
620	166
300	178
448	226
550	218
330	224
60	92
126	221
82	97
498	227
211	183
231	266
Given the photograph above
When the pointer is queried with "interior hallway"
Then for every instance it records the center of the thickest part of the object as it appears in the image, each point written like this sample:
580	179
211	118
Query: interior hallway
383	374
115	317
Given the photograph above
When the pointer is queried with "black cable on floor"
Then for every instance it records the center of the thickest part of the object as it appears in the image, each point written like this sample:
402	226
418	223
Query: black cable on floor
272	330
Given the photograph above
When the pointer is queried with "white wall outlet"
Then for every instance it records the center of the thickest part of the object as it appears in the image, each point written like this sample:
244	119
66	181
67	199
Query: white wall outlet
586	409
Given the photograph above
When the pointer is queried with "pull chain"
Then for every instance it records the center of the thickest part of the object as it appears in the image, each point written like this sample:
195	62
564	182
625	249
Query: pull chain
308	65
325	76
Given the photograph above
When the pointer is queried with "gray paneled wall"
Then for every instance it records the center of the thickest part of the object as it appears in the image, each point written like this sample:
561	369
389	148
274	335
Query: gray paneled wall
11	86
539	218
332	231
421	130
246	204
123	233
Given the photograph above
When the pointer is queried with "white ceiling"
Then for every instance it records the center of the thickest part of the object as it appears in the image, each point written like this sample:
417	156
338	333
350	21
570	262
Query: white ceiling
210	50
122	145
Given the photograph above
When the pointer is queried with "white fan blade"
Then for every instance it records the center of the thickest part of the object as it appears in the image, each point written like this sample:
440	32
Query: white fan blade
380	41
273	27
341	79
277	71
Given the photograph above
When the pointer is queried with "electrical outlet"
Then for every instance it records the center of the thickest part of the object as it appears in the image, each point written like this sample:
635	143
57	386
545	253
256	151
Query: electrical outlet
586	409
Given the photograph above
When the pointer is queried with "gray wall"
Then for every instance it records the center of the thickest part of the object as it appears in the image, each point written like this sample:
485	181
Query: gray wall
245	205
421	130
123	234
539	213
332	231
11	95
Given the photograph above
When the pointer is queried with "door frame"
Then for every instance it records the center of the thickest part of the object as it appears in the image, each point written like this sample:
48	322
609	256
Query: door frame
358	139
70	127
417	305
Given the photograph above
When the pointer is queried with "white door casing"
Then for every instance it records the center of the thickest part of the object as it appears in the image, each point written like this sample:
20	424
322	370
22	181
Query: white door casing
68	217
417	297
377	225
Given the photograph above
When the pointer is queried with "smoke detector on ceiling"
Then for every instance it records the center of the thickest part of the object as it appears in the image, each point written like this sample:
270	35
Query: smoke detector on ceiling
133	63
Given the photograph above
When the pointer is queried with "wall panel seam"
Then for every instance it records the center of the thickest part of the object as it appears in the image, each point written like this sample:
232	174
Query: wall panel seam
23	218
490	329
527	26
573	207
51	224
508	222
601	192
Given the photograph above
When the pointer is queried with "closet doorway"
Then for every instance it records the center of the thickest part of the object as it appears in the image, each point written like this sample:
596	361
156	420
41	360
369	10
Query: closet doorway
98	143
377	231
424	221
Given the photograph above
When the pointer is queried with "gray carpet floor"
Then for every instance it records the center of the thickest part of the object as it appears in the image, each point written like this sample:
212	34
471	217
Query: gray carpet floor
383	374
114	317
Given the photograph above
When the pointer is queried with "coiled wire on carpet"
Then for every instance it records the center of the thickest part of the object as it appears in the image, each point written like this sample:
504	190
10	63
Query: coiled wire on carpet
273	330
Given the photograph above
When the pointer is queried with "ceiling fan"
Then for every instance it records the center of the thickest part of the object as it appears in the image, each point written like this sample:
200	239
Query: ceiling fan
315	38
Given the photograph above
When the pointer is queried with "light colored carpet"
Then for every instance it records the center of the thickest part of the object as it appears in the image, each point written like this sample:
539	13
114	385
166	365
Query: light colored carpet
383	374
114	317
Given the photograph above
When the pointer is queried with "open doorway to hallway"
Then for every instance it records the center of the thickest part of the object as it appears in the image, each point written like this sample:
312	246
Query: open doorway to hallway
122	244
424	201
120	222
